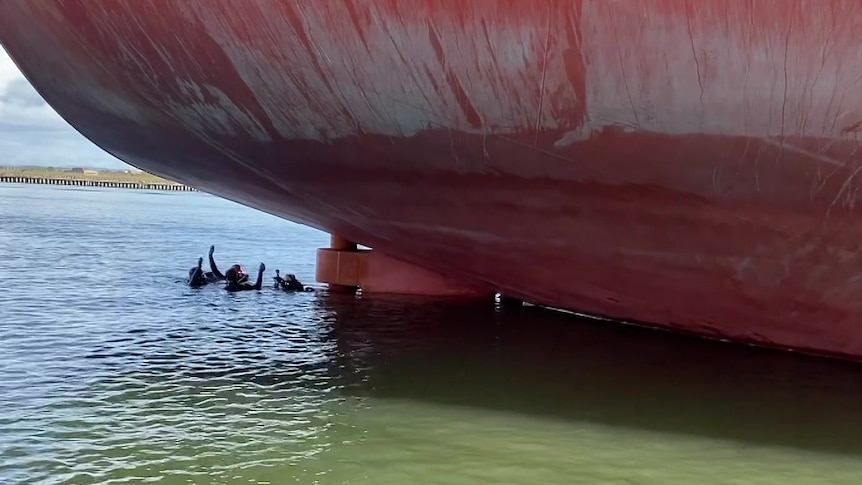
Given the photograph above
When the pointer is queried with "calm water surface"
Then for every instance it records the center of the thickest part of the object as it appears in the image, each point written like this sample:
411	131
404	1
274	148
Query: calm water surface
112	371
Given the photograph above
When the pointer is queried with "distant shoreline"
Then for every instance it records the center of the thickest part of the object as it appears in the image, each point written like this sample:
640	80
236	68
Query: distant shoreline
90	178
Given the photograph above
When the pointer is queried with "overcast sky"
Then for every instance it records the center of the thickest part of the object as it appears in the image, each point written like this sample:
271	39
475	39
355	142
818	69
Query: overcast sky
31	133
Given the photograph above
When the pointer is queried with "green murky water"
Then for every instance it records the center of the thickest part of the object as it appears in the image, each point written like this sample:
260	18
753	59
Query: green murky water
116	377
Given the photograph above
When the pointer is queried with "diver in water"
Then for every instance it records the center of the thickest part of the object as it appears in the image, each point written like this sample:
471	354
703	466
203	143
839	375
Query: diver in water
198	277
293	284
237	280
290	283
279	281
241	275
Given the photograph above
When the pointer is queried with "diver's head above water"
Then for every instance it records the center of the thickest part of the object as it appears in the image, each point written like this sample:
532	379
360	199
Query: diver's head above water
195	268
196	276
236	275
231	275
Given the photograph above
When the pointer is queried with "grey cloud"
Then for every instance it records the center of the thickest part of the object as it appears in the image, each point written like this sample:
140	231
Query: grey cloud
31	133
20	93
62	149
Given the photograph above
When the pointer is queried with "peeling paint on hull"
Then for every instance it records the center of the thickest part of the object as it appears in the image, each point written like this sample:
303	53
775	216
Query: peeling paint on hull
690	165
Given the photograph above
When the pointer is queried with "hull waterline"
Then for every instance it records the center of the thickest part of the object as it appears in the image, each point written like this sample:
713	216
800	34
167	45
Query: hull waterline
689	165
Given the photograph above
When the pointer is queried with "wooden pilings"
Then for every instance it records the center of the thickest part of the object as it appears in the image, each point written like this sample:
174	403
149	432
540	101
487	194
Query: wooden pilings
95	183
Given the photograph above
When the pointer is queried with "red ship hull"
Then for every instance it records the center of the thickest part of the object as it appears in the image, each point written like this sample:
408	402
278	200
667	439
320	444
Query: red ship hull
689	165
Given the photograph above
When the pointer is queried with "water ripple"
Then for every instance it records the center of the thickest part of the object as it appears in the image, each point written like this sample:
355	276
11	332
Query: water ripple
112	371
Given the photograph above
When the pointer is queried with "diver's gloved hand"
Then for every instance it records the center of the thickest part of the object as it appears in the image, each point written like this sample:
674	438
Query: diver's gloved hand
200	262
212	250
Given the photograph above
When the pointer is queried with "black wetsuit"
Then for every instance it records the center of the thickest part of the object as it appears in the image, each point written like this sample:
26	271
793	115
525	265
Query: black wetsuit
289	284
292	284
198	277
237	283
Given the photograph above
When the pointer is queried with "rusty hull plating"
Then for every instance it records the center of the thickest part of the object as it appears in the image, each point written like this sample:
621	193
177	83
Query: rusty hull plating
690	165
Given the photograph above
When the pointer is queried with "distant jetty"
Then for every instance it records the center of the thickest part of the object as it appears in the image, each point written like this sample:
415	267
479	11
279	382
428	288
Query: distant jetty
91	178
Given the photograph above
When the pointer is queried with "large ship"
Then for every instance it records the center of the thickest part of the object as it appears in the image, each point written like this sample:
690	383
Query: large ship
690	165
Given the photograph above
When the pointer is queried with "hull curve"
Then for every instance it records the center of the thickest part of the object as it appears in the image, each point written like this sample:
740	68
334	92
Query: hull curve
693	166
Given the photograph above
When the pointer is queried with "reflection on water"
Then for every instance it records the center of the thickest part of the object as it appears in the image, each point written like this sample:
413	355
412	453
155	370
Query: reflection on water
151	380
389	390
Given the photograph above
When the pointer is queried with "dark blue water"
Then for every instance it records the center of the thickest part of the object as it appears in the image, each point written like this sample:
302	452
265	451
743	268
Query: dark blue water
113	371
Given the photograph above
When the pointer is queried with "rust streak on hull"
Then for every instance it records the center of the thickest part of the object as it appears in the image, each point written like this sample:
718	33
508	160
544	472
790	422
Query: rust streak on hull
694	167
